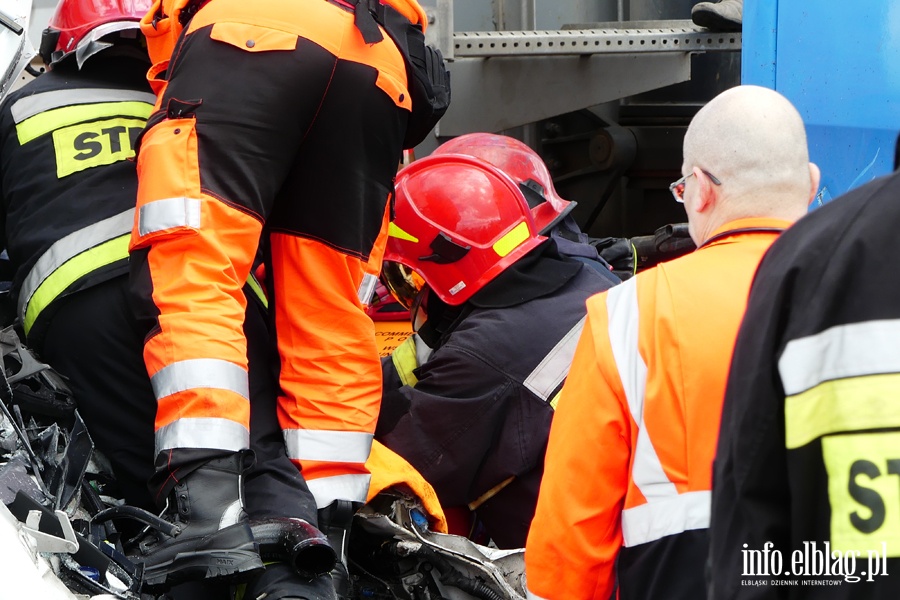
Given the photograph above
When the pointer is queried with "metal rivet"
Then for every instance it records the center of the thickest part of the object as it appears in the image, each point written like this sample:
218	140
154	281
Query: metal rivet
402	97
250	43
178	131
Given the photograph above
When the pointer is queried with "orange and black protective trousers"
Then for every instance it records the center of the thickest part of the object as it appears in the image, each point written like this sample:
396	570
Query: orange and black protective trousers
278	130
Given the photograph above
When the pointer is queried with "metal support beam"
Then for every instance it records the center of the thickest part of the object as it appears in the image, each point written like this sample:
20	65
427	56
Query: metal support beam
500	93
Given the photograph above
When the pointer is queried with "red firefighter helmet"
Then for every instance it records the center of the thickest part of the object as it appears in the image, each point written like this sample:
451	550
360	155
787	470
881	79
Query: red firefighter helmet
523	165
458	223
79	24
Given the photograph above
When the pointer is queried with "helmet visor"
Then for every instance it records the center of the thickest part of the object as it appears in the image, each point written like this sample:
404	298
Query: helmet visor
403	283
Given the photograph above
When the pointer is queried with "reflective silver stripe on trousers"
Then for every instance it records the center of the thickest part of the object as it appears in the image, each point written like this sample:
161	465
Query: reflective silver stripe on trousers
328	446
554	368
210	373
30	106
666	516
354	487
205	432
529	595
69	247
840	352
168	214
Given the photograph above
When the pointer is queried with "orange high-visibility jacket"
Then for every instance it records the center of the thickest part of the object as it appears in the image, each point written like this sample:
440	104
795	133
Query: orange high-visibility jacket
629	462
278	128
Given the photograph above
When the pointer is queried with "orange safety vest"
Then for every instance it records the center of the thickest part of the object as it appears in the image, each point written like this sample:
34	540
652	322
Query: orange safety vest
638	419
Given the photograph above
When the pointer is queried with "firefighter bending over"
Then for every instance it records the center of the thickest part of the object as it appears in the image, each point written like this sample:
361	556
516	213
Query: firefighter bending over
626	494
497	309
279	127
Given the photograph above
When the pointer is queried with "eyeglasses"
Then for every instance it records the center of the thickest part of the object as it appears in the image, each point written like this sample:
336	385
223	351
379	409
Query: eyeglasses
677	187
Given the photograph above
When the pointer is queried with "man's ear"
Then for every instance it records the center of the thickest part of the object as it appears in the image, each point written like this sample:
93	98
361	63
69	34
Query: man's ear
707	195
815	177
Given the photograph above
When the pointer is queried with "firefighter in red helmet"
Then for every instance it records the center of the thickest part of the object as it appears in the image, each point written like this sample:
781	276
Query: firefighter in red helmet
68	196
497	308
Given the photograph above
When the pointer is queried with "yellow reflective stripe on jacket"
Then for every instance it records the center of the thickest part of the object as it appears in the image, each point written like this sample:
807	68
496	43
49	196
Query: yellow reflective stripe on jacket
404	359
29	106
71	258
837	380
51	120
256	288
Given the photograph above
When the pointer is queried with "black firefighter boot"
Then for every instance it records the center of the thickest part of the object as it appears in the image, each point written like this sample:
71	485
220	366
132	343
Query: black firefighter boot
212	538
725	15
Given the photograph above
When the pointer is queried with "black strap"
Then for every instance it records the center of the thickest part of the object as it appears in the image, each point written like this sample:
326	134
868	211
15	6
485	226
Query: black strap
367	15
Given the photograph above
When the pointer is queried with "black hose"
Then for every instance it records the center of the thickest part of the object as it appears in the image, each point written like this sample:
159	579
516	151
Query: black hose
295	542
138	514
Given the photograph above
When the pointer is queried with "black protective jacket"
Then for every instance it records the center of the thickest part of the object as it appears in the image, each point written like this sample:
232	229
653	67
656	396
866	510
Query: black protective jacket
479	414
809	448
65	223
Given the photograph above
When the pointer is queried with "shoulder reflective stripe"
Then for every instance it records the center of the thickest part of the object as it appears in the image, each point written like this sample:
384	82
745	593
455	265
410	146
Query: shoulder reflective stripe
554	368
52	120
29	106
325	490
405	360
169	213
208	432
328	446
66	249
529	595
841	405
624	325
867	348
655	520
257	290
200	373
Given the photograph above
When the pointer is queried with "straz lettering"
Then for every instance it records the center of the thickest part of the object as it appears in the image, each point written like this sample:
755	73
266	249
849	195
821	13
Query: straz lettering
85	145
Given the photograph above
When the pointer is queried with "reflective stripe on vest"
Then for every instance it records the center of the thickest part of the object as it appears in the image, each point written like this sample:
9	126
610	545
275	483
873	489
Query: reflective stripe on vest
554	368
838	379
169	213
206	432
207	373
354	487
666	512
71	258
328	446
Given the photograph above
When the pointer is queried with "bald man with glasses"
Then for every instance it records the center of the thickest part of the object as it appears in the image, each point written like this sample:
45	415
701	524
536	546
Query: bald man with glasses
626	491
